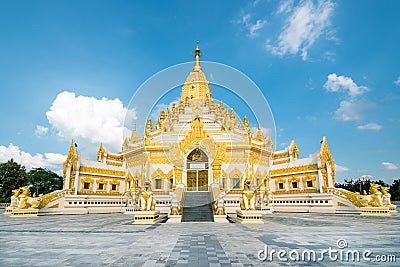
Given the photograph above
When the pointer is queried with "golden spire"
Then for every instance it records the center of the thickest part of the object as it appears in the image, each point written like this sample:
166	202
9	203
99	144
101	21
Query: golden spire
197	54
196	84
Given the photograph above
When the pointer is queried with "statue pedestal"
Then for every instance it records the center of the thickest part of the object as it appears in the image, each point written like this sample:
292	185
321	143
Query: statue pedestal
220	219
24	212
375	211
249	216
146	217
174	218
9	210
392	208
128	210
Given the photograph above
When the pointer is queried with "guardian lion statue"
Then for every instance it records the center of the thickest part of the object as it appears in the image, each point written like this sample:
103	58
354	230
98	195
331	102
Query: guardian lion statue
147	201
247	200
26	201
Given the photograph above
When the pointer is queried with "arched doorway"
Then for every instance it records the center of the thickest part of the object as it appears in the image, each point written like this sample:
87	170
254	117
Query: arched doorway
197	171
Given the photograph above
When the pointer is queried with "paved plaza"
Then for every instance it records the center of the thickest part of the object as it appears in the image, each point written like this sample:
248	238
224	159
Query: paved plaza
112	240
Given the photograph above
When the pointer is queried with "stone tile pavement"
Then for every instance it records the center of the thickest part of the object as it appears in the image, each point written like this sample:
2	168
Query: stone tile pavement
111	240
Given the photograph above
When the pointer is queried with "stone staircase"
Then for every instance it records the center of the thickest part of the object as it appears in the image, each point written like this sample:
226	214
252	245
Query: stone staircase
197	207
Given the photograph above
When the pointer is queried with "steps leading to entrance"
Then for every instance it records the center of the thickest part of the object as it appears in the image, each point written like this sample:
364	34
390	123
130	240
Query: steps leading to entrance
197	207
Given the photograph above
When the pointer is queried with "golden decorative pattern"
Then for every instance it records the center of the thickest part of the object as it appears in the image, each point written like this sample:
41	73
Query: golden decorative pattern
101	171
281	155
305	191
103	193
352	197
46	199
325	156
113	163
281	162
195	135
311	167
175	155
72	159
114	157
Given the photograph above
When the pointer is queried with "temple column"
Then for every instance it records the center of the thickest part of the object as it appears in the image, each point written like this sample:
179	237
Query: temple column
216	173
67	176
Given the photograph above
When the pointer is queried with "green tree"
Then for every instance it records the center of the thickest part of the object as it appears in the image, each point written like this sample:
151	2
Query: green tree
395	190
12	176
358	185
44	181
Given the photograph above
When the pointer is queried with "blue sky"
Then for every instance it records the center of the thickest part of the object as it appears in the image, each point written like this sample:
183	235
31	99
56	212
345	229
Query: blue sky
68	69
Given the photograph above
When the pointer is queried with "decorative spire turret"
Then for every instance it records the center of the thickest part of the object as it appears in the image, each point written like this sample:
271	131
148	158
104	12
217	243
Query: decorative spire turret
260	135
134	136
100	153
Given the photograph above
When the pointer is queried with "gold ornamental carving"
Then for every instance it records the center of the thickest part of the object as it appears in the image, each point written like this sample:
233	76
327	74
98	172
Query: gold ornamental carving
311	167
175	155
195	136
101	171
281	155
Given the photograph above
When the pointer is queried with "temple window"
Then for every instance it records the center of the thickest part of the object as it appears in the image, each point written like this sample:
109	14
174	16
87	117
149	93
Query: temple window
294	185
280	186
236	183
113	187
86	185
158	183
101	186
309	184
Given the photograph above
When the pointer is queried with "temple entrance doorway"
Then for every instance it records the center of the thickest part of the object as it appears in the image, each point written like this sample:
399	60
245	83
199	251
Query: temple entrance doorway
197	171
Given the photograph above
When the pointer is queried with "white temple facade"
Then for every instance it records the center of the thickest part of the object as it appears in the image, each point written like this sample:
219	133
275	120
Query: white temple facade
199	145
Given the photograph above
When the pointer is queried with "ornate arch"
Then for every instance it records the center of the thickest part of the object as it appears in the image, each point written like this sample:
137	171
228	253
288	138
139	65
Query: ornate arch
84	180
236	173
158	174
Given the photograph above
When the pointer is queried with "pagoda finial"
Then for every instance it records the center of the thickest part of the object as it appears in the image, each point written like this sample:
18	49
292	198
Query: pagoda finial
134	136
260	134
197	54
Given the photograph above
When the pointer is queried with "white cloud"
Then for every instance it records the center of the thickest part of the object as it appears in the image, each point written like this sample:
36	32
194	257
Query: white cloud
41	130
352	110
89	119
256	2
397	82
285	6
304	25
370	126
339	168
389	166
252	28
342	83
52	161
329	55
347	111
367	176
